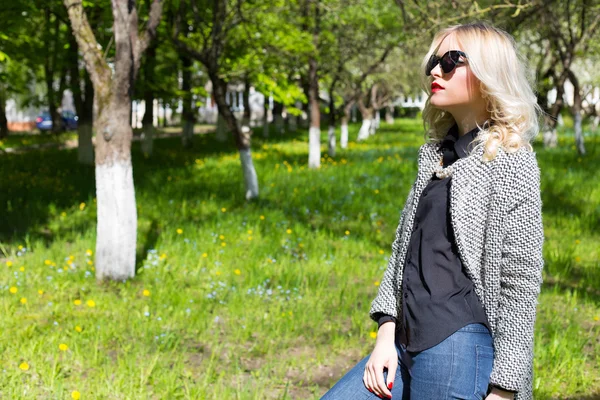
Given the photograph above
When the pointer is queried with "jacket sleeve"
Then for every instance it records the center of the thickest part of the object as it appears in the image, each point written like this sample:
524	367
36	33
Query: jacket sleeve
520	282
386	301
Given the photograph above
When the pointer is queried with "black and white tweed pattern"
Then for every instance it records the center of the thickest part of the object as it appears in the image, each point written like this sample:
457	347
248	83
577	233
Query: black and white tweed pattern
496	214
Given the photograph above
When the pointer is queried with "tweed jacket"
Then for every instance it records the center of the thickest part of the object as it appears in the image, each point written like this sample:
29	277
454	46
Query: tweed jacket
496	214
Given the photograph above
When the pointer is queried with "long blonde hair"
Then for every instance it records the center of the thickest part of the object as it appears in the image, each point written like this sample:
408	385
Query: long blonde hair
505	84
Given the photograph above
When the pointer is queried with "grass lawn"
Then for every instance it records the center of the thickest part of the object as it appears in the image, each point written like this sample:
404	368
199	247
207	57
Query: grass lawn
261	300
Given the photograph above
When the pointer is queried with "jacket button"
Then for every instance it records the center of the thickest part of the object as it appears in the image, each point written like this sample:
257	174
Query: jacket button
405	295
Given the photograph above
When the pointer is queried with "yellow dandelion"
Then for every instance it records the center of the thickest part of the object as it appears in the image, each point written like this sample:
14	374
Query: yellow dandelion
22	269
48	262
577	259
376	283
63	347
75	395
40	291
81	206
24	366
373	335
223	244
20	247
249	231
63	214
204	255
146	293
23	300
218	273
249	237
289	231
90	262
300	244
577	241
376	191
237	272
88	252
77	302
163	256
78	329
262	217
91	303
179	231
290	313
221	237
347	233
13	290
381	251
9	264
223	209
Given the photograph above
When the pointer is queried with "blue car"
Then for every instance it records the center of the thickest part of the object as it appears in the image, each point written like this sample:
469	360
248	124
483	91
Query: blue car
69	121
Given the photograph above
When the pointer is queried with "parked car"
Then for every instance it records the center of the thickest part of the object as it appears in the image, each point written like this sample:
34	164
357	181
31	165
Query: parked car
68	118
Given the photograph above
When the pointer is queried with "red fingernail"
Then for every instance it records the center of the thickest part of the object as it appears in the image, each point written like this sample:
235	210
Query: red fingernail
390	385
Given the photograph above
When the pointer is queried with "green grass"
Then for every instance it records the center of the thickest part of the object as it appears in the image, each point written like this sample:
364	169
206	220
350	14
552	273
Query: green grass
18	140
261	300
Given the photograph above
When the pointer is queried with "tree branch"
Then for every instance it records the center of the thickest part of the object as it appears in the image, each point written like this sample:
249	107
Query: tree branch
99	71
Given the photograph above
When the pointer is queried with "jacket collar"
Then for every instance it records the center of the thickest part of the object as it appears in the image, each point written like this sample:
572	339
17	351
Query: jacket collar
459	145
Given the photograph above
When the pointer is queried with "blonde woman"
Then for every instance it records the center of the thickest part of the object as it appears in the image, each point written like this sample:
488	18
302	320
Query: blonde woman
457	304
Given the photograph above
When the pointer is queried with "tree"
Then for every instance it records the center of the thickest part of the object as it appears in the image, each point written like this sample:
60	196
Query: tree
115	194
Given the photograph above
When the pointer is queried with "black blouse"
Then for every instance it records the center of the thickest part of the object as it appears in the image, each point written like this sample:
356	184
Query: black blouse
438	296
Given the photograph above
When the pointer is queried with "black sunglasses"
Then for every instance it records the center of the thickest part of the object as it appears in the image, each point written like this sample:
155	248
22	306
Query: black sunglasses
448	61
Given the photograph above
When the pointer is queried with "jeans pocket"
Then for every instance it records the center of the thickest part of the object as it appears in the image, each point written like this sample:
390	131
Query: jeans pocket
483	369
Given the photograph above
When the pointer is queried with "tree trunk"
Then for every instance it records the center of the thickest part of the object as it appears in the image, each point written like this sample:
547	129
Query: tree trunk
3	120
266	117
188	113
221	134
331	129
278	117
344	128
389	114
242	139
314	133
148	124
375	123
367	114
577	110
116	208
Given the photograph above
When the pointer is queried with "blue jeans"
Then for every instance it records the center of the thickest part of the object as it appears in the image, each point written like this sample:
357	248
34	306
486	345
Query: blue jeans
457	368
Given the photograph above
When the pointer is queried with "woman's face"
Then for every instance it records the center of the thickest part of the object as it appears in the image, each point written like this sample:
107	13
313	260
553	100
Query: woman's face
459	88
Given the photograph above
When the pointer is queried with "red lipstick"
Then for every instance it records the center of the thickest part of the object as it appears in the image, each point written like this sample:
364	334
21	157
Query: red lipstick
436	87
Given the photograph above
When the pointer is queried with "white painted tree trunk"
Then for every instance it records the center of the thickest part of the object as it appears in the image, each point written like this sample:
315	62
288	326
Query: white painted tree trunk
331	141
117	220
344	136
250	178
85	147
375	123
221	129
363	133
389	115
314	147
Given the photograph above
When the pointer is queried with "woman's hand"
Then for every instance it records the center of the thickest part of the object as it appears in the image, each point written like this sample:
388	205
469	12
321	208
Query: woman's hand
384	355
499	394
